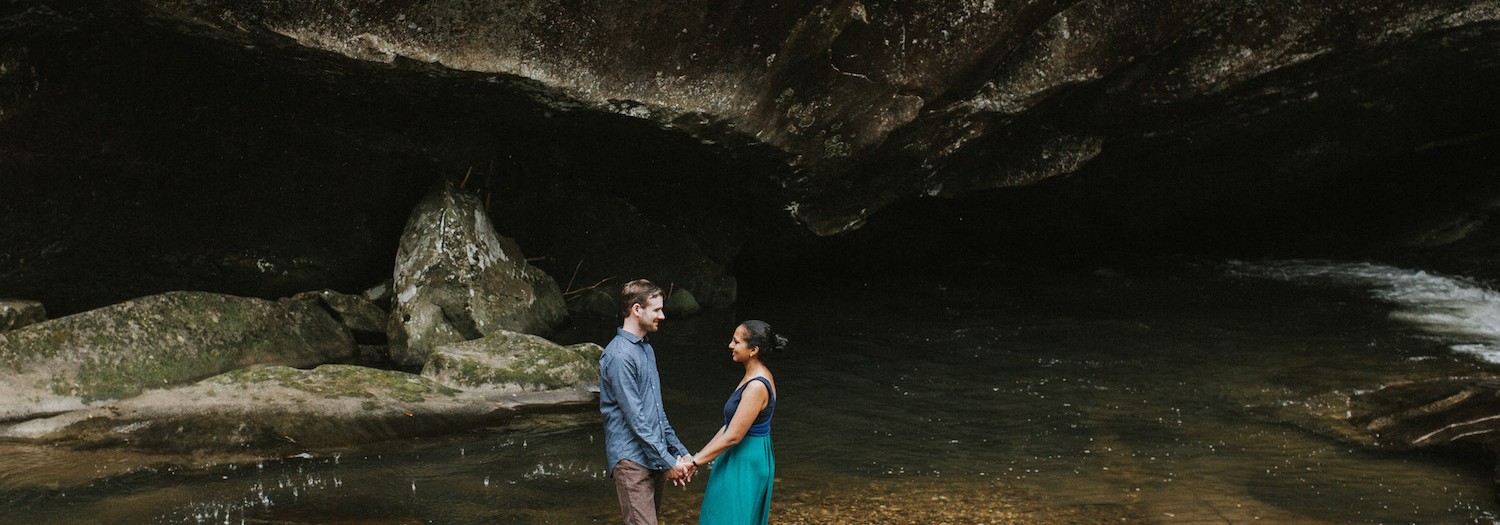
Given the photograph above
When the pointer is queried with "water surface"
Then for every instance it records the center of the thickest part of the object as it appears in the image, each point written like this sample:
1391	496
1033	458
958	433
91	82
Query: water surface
1197	393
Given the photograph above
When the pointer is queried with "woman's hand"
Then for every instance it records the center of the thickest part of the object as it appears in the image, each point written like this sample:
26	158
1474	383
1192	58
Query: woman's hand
683	472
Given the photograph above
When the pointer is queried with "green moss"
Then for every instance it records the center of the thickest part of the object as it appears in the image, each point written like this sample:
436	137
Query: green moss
345	381
111	375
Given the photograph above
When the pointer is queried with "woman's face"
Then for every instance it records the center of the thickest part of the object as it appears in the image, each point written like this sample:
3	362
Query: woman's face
739	350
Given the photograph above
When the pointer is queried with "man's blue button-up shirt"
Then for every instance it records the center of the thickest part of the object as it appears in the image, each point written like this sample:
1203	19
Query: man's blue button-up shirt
635	423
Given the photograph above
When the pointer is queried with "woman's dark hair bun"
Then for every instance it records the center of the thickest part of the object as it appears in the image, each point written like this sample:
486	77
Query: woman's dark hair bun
765	337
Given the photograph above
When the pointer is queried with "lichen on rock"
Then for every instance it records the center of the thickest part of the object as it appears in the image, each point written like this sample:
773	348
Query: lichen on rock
457	279
16	313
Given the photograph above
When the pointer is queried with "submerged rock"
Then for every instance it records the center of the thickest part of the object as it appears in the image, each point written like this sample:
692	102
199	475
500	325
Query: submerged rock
16	313
158	341
513	362
1445	414
279	407
1437	413
456	279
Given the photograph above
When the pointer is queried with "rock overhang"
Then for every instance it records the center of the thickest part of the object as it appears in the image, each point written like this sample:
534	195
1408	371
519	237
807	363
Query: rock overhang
1214	124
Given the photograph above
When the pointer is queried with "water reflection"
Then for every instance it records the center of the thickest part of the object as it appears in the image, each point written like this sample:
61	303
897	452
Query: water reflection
1188	396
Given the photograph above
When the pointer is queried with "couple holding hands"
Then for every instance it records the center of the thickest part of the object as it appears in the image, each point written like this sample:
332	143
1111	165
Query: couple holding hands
644	452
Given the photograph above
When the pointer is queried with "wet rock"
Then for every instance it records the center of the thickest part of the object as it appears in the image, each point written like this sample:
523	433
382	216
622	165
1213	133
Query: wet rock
1458	414
1426	414
158	341
364	320
456	279
507	362
270	408
16	313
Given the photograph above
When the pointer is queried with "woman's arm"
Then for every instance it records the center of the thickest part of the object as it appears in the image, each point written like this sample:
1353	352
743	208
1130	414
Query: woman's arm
752	401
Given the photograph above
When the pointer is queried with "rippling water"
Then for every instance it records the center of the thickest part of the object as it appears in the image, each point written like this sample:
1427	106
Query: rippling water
1197	394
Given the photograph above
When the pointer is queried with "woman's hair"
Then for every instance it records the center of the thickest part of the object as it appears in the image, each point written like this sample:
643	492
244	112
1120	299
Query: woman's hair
765	337
639	291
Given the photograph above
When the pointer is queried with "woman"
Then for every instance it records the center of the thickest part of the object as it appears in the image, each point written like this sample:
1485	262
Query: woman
739	490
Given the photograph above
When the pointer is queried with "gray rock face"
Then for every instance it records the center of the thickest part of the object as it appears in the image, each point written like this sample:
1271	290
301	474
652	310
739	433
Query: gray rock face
153	342
16	313
456	279
512	362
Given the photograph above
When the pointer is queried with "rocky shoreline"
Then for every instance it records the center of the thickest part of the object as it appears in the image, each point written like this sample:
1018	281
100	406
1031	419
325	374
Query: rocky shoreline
198	372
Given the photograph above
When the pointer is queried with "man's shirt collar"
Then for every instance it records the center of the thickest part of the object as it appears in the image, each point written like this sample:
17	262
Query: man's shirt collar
632	338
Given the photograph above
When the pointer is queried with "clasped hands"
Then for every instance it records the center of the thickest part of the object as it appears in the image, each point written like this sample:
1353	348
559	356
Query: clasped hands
683	472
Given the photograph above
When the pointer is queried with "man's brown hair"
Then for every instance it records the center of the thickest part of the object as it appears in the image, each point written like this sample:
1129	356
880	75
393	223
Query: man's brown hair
639	291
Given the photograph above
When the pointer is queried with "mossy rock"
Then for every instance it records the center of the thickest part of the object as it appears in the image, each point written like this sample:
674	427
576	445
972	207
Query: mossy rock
510	361
158	341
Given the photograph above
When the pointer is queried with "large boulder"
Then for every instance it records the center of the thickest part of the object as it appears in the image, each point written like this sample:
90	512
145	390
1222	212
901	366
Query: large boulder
508	362
456	279
16	313
175	338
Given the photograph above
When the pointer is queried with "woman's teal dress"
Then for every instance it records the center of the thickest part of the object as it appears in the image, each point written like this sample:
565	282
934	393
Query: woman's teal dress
739	488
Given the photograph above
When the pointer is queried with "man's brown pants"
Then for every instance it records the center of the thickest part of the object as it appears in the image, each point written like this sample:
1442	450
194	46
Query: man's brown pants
640	491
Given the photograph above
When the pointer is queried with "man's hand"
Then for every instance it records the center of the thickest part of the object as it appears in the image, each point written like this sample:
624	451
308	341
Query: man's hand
683	472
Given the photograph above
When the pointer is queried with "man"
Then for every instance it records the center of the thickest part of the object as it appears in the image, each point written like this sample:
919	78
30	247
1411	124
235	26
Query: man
643	451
